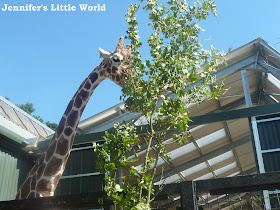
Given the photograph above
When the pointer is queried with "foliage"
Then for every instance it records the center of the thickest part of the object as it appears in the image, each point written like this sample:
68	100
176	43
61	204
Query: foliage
51	125
112	155
29	109
160	89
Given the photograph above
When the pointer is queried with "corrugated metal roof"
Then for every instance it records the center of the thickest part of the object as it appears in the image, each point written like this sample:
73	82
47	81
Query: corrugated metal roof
20	122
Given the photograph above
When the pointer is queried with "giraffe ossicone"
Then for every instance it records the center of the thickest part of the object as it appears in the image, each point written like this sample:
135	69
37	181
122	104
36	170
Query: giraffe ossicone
43	178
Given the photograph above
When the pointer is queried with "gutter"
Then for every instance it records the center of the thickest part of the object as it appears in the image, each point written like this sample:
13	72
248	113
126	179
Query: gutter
15	132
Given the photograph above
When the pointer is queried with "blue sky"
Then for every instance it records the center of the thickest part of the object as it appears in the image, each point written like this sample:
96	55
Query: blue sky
44	56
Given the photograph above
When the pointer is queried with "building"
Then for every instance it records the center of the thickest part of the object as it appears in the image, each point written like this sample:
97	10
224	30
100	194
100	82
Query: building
18	130
236	134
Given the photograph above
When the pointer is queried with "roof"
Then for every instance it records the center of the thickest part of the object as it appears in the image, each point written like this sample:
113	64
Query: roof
228	141
242	57
218	146
19	126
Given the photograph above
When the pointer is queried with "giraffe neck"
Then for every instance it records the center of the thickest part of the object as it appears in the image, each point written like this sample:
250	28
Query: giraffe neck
43	178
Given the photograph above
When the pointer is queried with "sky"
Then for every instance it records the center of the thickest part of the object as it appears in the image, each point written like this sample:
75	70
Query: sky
45	55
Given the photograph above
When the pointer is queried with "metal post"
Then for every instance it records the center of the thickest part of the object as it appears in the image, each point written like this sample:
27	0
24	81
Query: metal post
256	138
111	207
120	176
188	195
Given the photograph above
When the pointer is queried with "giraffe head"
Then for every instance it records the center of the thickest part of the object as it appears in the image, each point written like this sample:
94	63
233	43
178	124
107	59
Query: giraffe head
116	64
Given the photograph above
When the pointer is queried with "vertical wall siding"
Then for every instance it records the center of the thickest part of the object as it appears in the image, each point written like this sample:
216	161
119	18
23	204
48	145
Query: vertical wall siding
12	172
271	161
80	185
269	133
80	164
14	167
8	176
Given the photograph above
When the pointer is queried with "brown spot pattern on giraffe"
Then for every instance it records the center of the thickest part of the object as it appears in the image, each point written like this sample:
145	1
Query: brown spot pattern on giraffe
87	85
41	159
50	150
34	169
31	195
62	146
83	94
72	118
72	139
114	69
56	179
82	83
68	131
33	182
60	127
69	107
66	158
53	166
41	170
93	77
82	109
101	73
25	189
44	186
78	101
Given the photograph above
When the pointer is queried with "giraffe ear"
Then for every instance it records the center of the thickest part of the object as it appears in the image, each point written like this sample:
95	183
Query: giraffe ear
119	47
104	54
127	49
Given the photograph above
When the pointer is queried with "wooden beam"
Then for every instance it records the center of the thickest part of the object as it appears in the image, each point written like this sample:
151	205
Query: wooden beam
58	202
237	184
267	109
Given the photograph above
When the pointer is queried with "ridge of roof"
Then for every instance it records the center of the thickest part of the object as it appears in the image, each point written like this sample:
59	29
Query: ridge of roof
19	110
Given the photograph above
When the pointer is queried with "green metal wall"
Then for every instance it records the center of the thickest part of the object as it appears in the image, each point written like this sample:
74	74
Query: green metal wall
13	170
269	134
79	174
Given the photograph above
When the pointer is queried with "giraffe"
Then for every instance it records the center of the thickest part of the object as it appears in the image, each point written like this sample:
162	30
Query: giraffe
43	178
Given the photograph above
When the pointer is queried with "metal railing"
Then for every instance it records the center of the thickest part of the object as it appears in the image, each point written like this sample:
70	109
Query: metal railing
239	192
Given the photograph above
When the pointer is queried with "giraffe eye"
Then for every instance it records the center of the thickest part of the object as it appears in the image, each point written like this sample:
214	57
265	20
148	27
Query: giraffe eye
116	59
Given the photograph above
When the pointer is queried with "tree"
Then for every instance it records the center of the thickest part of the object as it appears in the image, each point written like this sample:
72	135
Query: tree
159	89
29	109
51	125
